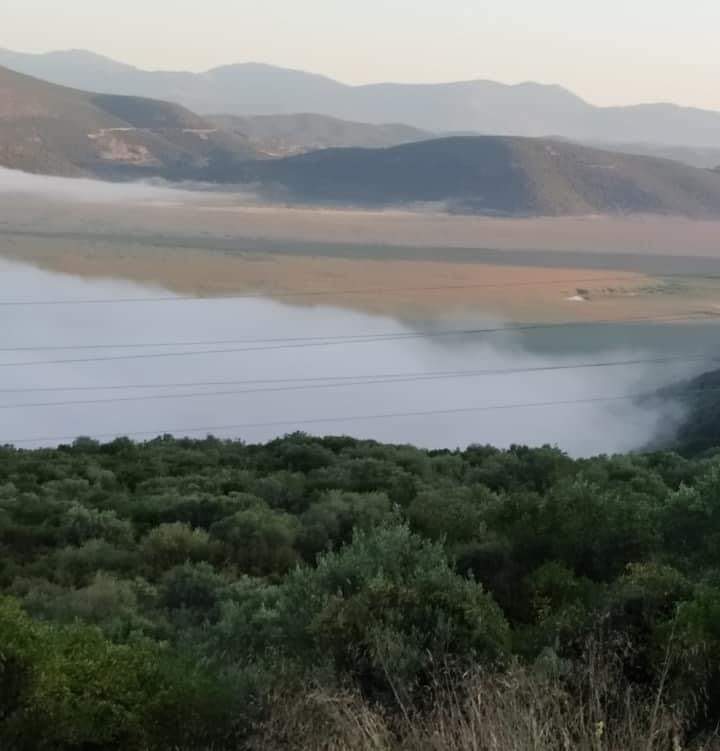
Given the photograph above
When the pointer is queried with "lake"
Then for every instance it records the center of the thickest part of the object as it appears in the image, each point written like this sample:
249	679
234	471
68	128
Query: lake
126	363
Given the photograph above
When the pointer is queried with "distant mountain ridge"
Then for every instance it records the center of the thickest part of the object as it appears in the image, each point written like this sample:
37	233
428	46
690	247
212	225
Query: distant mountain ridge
51	129
528	109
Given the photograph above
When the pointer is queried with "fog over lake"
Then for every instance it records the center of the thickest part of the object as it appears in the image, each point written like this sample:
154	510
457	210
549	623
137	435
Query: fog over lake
284	378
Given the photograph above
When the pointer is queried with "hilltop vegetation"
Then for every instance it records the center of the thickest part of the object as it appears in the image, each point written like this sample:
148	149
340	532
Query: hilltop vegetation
325	593
700	399
494	175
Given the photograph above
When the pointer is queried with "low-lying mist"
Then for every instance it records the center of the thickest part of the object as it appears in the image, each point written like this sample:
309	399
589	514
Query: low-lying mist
285	379
86	190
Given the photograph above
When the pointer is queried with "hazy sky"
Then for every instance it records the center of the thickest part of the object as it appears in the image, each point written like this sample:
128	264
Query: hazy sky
609	51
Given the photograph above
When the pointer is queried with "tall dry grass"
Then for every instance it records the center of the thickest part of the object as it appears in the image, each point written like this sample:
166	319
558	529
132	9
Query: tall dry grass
520	709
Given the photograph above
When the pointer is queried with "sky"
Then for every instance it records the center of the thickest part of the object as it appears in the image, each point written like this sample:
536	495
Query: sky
609	52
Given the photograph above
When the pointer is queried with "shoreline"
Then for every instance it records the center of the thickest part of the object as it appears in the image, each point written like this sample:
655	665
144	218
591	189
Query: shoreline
357	262
405	289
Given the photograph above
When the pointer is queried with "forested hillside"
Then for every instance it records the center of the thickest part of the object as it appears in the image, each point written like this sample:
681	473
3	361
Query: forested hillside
699	431
490	175
335	593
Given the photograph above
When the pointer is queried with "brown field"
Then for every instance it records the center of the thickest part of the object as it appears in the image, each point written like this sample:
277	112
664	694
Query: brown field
401	263
409	289
662	235
222	216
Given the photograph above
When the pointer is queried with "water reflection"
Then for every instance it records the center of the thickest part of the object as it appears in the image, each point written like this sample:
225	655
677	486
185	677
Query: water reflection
249	358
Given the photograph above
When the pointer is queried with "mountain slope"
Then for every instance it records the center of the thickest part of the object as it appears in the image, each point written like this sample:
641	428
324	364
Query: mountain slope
494	175
698	429
704	158
527	109
287	135
51	129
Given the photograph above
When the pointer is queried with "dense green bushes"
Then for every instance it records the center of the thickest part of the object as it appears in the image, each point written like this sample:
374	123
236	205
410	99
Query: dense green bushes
70	687
157	595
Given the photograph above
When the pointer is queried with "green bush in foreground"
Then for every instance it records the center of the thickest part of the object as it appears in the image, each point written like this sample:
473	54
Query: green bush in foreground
162	595
70	687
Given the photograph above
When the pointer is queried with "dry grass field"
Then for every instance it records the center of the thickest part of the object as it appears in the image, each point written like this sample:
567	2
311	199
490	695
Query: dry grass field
226	216
401	263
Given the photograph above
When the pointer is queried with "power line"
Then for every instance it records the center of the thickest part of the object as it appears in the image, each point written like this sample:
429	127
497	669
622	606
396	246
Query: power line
308	342
370	336
355	418
324	293
361	377
345	381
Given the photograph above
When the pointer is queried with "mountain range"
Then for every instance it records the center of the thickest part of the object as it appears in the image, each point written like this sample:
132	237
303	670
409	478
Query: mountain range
485	107
46	128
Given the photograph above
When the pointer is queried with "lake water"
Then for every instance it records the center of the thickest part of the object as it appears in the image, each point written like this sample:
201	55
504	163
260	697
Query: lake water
273	368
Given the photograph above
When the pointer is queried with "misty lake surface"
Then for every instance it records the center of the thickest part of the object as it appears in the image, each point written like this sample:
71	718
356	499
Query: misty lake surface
254	369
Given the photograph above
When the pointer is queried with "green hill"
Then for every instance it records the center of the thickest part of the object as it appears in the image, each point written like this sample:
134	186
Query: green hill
495	175
55	130
699	428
